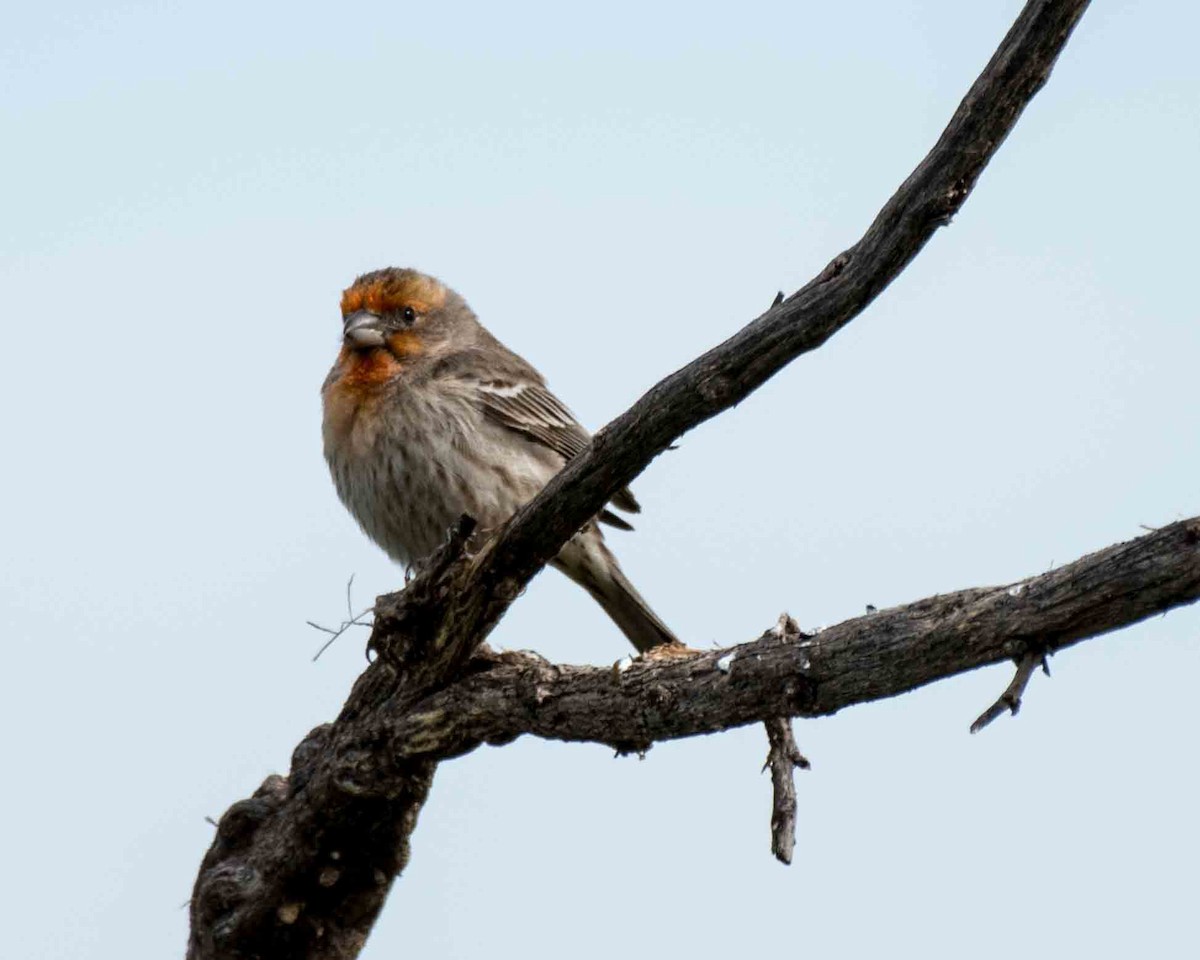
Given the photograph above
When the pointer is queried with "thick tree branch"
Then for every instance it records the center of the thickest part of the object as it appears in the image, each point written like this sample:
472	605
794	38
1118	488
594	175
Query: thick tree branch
302	868
788	673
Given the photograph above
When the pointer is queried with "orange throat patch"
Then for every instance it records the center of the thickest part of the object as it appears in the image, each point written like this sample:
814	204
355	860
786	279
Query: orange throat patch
365	370
356	386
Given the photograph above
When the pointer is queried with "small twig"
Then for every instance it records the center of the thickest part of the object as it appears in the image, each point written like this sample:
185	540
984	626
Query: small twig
1010	699
783	759
355	620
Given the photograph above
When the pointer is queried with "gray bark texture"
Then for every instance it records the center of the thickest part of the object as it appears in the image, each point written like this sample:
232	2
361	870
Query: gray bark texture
302	868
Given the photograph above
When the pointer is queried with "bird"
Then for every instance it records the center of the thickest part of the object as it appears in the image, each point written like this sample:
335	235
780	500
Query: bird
427	417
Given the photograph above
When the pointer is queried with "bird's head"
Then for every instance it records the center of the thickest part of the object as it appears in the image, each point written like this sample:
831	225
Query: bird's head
401	311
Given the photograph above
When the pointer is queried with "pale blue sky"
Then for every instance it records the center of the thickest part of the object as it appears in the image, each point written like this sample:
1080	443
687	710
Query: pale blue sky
185	194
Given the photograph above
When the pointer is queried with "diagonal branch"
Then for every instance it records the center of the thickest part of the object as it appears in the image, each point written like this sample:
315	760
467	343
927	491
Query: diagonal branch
727	374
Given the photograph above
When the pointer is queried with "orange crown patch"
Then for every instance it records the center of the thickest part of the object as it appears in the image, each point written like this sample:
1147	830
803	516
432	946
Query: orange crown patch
389	290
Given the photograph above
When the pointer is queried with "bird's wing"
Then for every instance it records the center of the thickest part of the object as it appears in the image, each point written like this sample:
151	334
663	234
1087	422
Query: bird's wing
532	410
519	399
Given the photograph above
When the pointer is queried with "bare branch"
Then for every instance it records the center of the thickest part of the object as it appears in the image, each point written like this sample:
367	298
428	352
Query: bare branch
782	760
302	868
353	620
356	786
788	673
1010	699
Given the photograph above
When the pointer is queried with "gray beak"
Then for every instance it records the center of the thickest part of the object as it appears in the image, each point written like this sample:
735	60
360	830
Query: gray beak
363	330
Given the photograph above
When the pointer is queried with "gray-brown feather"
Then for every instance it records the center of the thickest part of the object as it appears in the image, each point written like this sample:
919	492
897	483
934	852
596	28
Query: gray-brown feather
515	395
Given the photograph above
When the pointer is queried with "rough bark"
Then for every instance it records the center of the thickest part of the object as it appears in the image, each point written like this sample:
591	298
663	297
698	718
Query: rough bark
783	760
302	868
786	672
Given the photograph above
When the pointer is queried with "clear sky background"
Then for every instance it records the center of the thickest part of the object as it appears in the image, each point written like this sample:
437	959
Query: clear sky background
185	194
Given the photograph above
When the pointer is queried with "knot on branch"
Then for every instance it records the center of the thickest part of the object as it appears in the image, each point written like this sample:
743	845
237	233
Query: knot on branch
242	820
307	755
716	389
786	630
835	267
226	886
800	691
227	880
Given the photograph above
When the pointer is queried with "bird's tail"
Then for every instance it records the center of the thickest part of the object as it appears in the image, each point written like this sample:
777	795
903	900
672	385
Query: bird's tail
587	561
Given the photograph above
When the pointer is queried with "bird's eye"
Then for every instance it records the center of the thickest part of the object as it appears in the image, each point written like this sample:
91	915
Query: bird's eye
409	315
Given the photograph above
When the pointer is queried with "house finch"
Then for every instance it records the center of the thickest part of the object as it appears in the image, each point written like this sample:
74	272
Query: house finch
428	416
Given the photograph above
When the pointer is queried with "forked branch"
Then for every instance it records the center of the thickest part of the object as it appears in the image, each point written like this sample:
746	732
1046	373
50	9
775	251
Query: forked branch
302	868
